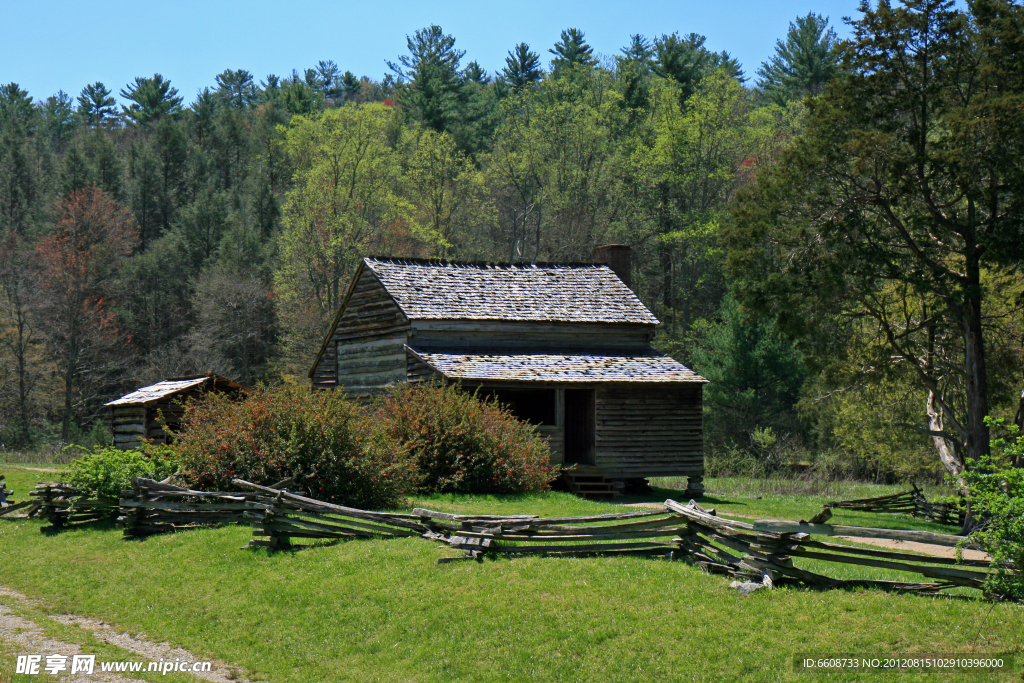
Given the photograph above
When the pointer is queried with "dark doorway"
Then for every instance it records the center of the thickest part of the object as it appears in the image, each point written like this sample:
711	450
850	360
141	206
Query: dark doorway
536	406
579	426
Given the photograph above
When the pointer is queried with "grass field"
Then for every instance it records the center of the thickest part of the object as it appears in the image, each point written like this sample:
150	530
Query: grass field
383	610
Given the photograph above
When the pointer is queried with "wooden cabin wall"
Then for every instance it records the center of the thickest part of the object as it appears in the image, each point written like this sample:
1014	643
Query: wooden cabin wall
556	442
418	371
652	431
369	342
528	336
129	423
325	374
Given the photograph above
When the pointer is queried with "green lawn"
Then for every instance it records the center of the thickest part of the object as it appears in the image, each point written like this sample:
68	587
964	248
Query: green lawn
384	610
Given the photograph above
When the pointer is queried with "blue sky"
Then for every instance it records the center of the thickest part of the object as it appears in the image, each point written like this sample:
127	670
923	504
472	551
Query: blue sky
52	45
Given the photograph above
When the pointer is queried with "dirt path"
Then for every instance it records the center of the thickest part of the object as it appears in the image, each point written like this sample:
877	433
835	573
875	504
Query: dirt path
29	638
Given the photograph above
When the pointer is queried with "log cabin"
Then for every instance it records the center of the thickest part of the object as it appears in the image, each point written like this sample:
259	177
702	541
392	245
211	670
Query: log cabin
566	346
143	413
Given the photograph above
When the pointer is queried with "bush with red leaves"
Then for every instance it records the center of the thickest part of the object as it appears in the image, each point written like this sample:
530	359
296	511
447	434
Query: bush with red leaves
318	438
463	445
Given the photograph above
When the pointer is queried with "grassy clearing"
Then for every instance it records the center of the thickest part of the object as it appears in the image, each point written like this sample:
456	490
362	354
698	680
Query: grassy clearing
764	499
384	610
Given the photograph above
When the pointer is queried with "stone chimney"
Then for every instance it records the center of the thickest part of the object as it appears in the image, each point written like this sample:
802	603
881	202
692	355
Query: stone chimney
618	258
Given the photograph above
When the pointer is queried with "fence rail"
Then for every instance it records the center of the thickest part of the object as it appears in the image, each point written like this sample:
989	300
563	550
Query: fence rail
8	506
761	553
913	502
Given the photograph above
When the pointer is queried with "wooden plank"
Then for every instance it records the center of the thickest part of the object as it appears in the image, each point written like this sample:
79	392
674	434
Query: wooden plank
587	548
947	540
548	538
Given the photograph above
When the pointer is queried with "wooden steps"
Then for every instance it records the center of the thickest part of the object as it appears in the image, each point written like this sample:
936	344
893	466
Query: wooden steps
589	483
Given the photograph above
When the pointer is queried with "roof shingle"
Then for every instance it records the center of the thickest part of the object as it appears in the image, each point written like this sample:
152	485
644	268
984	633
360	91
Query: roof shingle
556	367
555	293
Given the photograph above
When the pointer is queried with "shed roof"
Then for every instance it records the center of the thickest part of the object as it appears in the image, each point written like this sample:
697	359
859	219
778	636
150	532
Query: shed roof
478	291
169	387
573	367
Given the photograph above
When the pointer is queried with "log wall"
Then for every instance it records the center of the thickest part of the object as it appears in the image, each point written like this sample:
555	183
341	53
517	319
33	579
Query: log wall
654	431
556	441
367	350
129	426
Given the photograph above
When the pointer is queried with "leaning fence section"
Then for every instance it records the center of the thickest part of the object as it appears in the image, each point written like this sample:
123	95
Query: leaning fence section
64	505
767	550
763	553
649	532
760	553
153	507
7	503
279	516
911	502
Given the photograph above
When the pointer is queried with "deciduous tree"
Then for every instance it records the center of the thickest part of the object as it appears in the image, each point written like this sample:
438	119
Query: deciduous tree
80	262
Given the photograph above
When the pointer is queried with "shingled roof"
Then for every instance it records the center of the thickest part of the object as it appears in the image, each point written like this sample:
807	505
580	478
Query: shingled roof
464	291
557	367
169	387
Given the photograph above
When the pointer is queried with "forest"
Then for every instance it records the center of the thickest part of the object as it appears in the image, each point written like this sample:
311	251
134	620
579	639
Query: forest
835	240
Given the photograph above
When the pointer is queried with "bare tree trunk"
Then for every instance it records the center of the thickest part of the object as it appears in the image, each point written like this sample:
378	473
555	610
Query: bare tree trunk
69	383
949	457
1018	420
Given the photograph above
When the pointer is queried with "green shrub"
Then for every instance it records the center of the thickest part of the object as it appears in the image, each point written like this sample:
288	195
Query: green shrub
996	492
108	471
318	438
463	445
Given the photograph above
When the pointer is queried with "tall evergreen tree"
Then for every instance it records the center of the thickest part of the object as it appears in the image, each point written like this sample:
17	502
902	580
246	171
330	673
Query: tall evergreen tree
726	62
684	60
95	105
328	77
474	73
17	113
803	64
151	99
59	117
349	86
522	67
431	75
236	88
639	51
571	50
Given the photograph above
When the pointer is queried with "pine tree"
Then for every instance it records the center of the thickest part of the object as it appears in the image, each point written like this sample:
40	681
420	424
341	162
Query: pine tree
684	60
152	98
522	67
803	64
571	50
350	86
16	109
474	73
327	79
236	88
639	51
431	74
59	117
95	105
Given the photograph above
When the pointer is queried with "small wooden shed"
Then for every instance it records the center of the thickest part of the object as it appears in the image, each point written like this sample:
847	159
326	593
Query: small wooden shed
567	346
142	413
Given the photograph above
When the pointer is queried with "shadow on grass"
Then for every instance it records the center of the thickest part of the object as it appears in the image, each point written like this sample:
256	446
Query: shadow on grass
295	548
93	525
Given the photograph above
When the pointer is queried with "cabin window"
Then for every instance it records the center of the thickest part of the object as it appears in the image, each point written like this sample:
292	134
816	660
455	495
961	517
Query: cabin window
536	406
